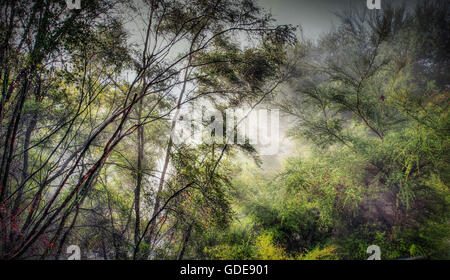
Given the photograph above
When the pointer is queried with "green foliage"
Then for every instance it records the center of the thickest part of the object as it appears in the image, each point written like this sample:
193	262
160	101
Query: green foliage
319	254
266	249
87	157
374	111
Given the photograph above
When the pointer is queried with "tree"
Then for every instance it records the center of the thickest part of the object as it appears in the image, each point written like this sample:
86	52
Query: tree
66	107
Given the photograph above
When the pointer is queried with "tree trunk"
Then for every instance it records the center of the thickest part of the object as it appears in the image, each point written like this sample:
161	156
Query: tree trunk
187	235
137	191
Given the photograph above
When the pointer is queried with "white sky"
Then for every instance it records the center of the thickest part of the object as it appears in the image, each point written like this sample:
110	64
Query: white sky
315	16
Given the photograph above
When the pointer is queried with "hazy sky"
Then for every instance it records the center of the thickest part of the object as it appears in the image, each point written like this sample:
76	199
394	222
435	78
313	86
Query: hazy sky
315	16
